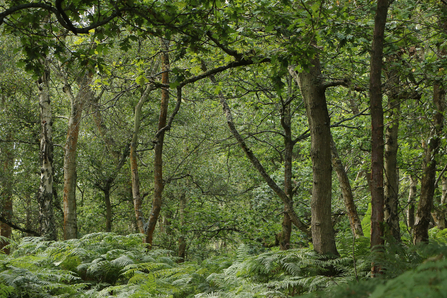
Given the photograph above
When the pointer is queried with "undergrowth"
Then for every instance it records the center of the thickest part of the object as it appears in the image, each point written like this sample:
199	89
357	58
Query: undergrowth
110	265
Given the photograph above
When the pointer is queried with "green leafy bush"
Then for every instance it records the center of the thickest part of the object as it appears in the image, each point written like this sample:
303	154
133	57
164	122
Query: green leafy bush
110	265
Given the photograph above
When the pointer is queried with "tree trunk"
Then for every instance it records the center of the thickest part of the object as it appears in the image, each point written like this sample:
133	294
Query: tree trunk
182	238
391	191
108	204
411	200
425	205
345	185
137	199
158	152
74	122
6	192
313	92
439	212
45	197
375	92
284	241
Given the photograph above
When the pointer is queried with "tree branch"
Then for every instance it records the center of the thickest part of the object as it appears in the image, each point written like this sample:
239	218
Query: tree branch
61	18
14	226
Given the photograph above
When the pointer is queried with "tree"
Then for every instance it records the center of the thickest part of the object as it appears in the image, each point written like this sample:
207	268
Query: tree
77	103
345	185
313	92
6	174
375	91
158	153
45	197
428	180
425	205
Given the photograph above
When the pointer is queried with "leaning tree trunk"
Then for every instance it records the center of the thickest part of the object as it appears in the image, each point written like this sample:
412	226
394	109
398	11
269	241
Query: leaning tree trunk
158	149
45	196
74	122
425	206
375	92
288	203
6	193
345	185
391	191
313	92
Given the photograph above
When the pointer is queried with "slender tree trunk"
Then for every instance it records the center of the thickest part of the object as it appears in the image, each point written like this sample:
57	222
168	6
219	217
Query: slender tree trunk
137	199
158	152
74	122
45	197
375	90
411	200
182	238
440	210
28	213
425	205
391	191
284	241
313	92
6	193
348	198
108	203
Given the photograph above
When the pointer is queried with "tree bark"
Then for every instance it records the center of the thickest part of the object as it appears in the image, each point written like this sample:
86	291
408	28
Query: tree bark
348	198
158	149
109	214
375	92
182	238
137	198
45	197
77	103
425	206
313	92
411	201
391	191
439	212
6	193
284	241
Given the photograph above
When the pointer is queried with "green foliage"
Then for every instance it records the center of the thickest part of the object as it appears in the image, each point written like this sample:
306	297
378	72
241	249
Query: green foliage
106	264
278	274
438	234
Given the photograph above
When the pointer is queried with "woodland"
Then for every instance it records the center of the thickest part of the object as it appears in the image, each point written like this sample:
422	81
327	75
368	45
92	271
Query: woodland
186	148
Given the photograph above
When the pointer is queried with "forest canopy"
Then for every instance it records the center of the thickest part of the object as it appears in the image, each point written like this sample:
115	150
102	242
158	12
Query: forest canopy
278	143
